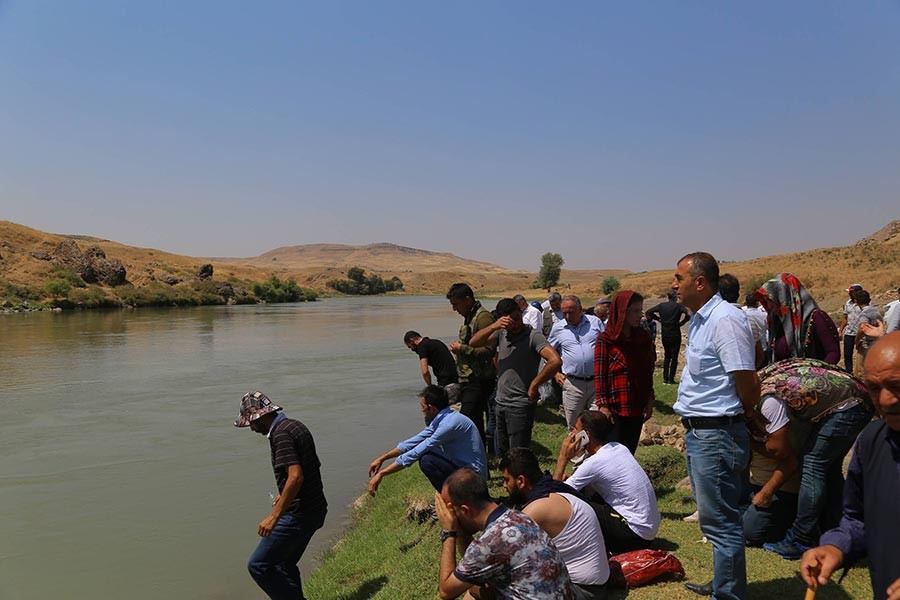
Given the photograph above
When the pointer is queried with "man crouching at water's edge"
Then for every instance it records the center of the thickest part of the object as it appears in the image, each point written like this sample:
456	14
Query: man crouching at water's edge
298	510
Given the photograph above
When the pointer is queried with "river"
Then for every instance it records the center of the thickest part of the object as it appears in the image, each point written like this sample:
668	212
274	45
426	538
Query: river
122	475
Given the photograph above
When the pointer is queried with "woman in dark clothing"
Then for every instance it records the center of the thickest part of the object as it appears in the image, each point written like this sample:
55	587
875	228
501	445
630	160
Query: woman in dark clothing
798	328
623	370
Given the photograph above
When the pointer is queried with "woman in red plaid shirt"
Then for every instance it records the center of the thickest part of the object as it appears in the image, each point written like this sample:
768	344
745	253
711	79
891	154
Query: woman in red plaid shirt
623	370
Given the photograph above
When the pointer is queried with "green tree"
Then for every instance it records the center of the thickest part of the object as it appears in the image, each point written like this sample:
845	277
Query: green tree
610	285
551	265
58	288
356	274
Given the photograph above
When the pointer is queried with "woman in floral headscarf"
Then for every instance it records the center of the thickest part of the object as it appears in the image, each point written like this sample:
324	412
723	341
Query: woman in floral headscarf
798	328
623	369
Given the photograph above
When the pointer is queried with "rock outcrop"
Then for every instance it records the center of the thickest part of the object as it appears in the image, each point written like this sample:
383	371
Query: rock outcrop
205	271
662	435
91	265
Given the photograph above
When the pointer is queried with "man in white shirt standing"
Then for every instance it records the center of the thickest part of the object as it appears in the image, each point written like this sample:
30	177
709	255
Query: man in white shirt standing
574	339
530	315
717	395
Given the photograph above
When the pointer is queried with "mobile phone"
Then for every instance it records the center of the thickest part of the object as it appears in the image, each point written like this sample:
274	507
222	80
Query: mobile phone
581	440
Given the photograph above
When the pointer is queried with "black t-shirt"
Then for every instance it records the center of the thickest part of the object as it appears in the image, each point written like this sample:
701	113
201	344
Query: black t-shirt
672	315
439	359
292	444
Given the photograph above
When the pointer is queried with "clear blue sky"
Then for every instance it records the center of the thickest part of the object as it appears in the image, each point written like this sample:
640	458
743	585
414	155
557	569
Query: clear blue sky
618	134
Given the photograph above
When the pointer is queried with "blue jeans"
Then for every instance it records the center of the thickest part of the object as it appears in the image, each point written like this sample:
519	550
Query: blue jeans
821	460
437	468
768	525
273	565
716	461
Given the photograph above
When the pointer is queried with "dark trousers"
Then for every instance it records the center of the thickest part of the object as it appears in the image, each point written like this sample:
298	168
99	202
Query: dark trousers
768	525
273	565
473	399
617	535
437	468
671	348
514	425
848	352
627	431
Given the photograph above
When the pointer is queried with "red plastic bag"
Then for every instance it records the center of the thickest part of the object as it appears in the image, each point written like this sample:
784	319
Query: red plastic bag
641	567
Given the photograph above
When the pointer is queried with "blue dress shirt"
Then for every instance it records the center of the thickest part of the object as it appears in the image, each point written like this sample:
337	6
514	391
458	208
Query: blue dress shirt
575	344
452	434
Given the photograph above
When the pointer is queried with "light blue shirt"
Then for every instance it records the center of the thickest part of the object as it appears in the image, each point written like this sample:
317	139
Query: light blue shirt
575	344
452	434
719	343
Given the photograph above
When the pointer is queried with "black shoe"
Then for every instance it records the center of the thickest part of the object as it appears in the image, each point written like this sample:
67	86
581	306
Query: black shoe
701	589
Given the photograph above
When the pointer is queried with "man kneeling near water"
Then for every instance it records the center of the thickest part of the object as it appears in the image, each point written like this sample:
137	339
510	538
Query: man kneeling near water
564	516
300	507
449	441
512	558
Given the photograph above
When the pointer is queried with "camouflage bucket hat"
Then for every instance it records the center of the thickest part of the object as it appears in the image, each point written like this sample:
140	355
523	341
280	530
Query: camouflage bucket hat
253	406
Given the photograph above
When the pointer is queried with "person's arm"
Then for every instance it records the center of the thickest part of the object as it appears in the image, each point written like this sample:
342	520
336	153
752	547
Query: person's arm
647	412
843	324
485	337
567	451
288	493
823	328
685	316
483	352
551	368
426	374
777	446
375	481
653	314
747	387
448	584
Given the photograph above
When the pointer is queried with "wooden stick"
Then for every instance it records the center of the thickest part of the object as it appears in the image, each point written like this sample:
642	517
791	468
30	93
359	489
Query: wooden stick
811	590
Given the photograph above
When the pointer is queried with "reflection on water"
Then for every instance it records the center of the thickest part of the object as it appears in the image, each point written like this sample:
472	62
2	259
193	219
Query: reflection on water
121	470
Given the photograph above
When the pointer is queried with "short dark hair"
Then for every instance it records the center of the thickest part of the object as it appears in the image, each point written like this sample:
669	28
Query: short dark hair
506	307
555	297
729	287
521	461
410	336
465	486
519	298
458	291
572	298
751	301
597	425
862	297
703	263
436	396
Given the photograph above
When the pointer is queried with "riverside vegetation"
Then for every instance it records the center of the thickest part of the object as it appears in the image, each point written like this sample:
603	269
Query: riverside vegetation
387	555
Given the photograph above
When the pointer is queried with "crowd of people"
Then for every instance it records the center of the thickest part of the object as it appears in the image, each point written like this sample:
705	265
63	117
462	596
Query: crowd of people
769	417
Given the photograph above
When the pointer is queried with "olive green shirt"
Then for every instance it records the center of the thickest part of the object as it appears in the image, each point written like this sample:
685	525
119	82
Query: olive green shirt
475	364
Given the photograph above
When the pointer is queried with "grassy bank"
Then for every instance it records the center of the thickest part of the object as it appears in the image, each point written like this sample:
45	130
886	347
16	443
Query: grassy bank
384	555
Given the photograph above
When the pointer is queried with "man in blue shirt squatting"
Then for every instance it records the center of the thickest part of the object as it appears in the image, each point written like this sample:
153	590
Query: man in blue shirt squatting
717	398
871	520
449	441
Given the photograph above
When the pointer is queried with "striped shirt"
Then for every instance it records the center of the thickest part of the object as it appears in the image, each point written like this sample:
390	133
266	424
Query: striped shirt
292	444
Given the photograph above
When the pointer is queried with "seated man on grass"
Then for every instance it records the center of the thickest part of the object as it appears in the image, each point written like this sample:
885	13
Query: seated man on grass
449	441
564	515
627	509
512	558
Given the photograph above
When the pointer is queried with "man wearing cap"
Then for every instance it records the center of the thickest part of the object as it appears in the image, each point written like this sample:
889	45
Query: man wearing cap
601	310
298	510
850	325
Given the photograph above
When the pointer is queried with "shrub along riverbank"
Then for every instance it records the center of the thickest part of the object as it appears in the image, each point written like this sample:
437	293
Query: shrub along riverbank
385	555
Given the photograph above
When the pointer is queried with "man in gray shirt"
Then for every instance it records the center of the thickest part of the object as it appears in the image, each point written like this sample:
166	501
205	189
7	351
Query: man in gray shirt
520	350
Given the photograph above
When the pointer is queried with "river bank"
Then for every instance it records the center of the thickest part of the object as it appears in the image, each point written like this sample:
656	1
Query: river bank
386	555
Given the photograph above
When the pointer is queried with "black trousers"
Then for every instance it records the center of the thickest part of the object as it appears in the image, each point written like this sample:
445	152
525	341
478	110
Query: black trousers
473	399
617	535
627	431
848	352
671	348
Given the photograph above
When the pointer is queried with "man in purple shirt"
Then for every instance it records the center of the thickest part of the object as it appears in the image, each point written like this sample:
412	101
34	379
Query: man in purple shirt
870	521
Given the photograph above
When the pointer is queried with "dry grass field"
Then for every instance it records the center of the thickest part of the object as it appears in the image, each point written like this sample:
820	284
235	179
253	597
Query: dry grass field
874	262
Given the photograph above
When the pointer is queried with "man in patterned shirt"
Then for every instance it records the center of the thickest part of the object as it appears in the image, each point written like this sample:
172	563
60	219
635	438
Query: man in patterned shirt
298	510
512	559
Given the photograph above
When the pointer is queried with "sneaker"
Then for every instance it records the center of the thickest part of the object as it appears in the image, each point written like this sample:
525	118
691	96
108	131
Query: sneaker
692	518
788	548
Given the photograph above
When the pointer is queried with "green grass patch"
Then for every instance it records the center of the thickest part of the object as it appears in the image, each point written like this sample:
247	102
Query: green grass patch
385	556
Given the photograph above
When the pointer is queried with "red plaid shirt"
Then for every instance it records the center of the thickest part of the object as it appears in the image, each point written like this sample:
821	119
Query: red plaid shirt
612	384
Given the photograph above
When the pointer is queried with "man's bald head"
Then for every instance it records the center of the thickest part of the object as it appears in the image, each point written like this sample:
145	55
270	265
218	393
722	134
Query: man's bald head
883	378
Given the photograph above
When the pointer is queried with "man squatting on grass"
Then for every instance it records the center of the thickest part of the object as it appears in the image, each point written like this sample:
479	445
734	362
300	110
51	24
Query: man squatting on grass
449	441
520	350
300	507
512	559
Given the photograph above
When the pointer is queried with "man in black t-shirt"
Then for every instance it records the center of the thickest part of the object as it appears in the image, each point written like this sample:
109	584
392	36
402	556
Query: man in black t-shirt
435	354
672	315
298	510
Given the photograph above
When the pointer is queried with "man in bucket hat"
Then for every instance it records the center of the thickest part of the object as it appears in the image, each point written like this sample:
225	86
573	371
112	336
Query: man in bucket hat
298	510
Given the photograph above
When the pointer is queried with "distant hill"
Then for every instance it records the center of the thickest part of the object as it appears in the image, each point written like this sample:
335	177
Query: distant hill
26	260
